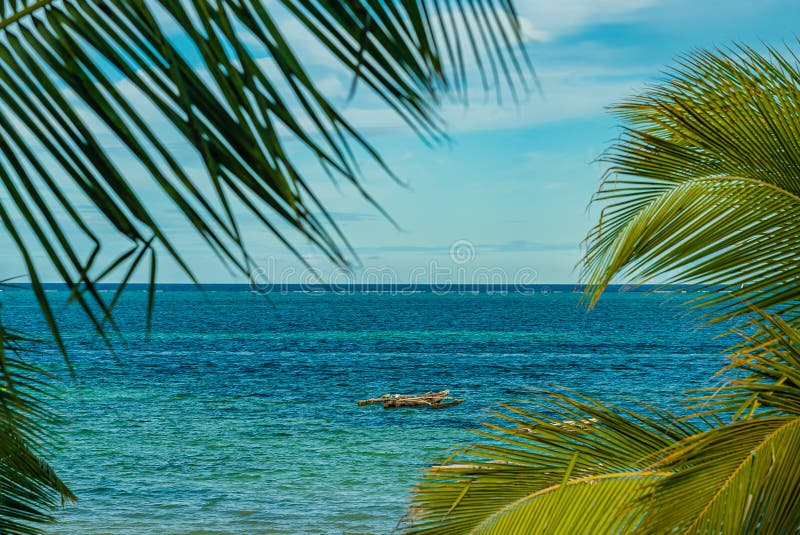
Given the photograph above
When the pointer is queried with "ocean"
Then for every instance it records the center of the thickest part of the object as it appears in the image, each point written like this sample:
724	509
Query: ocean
238	415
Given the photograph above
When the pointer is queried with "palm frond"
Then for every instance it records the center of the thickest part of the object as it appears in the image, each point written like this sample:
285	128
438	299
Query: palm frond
221	82
598	504
29	488
763	375
741	477
544	453
704	184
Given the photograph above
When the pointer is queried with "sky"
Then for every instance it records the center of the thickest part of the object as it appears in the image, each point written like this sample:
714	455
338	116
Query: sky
510	192
506	199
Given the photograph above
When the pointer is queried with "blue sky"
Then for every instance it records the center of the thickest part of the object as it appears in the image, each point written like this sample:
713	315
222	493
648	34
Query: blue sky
508	195
515	182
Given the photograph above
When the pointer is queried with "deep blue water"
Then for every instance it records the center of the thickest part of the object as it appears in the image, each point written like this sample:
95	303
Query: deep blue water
238	415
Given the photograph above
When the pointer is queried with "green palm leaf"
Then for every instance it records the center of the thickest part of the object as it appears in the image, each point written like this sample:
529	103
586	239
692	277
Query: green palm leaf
29	488
763	376
703	185
223	89
576	506
549	464
742	476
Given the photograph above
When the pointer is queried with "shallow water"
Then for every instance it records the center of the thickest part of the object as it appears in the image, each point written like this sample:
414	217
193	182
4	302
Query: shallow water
239	415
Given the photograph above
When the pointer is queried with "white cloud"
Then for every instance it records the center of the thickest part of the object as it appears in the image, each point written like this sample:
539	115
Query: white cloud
578	81
546	20
567	98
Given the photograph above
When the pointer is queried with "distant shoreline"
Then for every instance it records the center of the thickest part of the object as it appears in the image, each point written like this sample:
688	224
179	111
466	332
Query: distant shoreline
386	288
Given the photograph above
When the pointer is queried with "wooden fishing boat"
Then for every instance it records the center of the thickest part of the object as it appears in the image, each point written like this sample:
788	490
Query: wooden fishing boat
433	400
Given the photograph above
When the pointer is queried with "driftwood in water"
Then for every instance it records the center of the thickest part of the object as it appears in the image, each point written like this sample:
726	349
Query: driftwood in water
434	400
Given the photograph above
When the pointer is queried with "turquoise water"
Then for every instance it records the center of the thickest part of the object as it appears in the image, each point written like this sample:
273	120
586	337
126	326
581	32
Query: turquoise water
239	415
